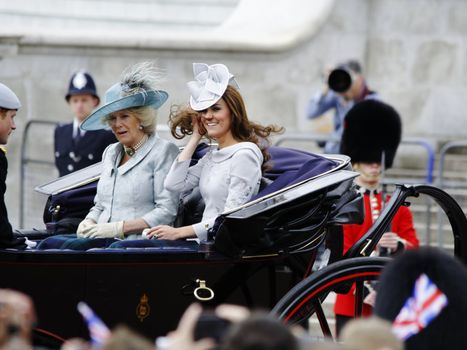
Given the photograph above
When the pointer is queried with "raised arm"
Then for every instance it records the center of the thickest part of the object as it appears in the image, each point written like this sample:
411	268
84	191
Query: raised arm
320	103
181	176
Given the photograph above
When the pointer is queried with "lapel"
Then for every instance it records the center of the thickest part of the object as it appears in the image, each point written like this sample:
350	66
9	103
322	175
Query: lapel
140	155
65	138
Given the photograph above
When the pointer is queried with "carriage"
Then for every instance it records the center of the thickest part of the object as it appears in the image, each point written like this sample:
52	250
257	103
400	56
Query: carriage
281	251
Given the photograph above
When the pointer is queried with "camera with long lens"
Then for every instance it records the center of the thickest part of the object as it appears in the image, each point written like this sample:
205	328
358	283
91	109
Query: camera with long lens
340	79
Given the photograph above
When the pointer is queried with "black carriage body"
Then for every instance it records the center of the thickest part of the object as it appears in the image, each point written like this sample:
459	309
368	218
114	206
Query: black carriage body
259	251
146	290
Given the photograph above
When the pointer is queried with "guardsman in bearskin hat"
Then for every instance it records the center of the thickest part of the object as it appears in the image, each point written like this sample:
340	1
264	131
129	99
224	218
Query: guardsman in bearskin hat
423	294
74	148
9	105
372	132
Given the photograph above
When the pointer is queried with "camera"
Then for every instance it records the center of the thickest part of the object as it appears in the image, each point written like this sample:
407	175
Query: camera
340	78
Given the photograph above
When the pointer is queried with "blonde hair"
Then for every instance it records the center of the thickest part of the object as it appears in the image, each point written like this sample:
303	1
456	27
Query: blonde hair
146	116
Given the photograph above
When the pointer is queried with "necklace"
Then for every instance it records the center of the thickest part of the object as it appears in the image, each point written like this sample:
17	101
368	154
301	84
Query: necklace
132	150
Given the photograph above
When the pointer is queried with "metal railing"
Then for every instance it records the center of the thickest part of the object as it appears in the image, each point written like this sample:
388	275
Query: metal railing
311	137
441	179
442	159
25	160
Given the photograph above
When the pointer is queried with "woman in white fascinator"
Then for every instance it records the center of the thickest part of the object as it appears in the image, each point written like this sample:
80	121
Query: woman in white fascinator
230	173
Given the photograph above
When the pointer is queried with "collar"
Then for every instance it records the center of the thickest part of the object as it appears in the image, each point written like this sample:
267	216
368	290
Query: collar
76	124
368	191
220	155
365	92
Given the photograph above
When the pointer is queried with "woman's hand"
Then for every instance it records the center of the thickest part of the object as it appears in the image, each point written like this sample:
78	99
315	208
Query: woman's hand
84	228
198	128
169	232
190	147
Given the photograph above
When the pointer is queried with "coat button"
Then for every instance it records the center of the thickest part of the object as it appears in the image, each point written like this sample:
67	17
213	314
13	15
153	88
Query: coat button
90	156
70	167
57	154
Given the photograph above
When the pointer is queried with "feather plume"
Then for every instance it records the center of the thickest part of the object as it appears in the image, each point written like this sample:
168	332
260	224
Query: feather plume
141	77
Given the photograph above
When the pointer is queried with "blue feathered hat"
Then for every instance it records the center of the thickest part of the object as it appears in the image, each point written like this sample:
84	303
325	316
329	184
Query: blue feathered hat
137	88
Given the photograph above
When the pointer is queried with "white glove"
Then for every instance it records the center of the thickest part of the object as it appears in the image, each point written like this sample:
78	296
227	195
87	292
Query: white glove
389	240
145	232
107	230
84	228
370	299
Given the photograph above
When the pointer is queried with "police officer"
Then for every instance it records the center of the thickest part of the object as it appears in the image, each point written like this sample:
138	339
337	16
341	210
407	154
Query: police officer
74	148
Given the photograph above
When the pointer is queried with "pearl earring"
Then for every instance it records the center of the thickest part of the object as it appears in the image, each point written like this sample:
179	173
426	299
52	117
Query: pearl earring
140	127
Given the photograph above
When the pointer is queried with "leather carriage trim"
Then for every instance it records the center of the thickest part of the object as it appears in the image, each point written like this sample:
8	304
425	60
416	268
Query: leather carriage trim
341	159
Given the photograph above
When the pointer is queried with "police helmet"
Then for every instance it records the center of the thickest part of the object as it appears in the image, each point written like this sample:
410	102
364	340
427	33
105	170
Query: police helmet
81	83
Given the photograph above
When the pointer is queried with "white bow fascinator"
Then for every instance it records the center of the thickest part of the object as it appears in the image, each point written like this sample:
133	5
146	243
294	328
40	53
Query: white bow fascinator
209	85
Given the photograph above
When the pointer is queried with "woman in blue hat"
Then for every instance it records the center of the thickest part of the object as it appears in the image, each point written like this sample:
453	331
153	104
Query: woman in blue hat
230	173
130	193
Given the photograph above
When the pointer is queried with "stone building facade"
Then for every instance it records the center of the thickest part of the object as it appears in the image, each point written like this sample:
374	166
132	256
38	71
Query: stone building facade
413	52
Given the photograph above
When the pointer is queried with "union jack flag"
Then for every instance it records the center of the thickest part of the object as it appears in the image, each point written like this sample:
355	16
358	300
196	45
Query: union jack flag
98	331
420	309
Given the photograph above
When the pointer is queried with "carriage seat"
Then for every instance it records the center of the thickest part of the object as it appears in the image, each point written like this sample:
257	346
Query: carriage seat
287	167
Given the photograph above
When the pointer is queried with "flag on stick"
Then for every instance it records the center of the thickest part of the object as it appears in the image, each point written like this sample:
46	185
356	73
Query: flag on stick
98	331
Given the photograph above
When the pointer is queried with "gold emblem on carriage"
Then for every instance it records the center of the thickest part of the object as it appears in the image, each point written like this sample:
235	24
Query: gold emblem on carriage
143	309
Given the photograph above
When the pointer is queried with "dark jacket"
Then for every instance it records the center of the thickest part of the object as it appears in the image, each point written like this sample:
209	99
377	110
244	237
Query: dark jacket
6	234
71	155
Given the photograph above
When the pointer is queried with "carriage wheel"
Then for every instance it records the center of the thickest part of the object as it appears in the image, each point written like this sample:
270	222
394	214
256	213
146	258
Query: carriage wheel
306	298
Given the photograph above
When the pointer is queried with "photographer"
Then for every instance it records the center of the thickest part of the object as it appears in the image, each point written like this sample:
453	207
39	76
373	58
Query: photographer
345	85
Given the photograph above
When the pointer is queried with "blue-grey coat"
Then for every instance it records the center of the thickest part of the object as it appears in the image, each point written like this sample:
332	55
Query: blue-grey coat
136	188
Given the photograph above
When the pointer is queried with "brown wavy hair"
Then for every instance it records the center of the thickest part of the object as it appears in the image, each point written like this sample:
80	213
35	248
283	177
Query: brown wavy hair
241	127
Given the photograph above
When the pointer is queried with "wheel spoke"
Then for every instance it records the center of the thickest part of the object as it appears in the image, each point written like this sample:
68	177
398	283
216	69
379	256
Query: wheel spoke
359	294
305	299
323	322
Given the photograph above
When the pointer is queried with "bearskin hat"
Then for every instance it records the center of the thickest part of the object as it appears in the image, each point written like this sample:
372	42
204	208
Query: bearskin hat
371	127
447	330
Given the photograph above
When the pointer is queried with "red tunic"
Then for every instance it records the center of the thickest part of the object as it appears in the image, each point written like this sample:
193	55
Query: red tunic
402	225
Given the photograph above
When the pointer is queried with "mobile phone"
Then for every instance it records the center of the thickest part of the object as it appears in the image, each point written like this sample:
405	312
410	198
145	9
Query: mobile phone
210	325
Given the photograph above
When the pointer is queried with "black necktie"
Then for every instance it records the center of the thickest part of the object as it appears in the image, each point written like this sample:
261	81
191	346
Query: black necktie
77	136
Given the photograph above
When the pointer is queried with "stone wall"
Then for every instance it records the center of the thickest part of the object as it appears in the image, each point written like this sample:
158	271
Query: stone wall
414	53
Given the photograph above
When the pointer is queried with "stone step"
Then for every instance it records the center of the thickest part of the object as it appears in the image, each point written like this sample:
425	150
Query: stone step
108	14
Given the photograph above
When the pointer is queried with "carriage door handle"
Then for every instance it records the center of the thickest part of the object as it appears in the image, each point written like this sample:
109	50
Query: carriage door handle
202	292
